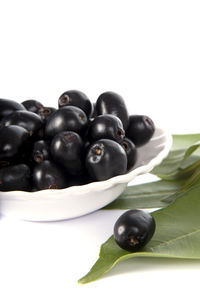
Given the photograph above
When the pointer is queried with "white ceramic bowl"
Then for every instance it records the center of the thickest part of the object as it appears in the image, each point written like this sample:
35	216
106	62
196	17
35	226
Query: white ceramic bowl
75	201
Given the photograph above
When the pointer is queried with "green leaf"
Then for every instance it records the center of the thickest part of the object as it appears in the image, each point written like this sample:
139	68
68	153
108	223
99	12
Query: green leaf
182	159
191	149
183	141
189	164
176	166
192	180
192	155
169	167
147	195
177	235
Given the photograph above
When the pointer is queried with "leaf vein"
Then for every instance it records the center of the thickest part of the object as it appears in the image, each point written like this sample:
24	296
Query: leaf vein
147	194
177	238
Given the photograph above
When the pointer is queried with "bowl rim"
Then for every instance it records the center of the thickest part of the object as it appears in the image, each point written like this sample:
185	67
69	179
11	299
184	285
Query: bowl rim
105	184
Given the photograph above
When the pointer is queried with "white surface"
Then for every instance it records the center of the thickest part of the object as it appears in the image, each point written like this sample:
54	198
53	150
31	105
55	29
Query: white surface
76	201
148	51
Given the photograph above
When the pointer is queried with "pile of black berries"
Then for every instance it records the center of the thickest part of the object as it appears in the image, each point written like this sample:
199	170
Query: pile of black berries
77	143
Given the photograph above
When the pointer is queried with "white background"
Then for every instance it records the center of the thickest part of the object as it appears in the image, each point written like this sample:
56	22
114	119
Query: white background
147	51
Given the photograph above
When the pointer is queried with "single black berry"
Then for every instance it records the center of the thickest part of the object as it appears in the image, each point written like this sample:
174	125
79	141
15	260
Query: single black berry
141	128
134	229
32	105
9	106
105	159
68	118
14	141
48	175
106	127
76	98
67	149
112	103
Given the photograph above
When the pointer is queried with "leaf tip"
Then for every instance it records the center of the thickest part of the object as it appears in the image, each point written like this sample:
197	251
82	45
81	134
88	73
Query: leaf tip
83	280
80	282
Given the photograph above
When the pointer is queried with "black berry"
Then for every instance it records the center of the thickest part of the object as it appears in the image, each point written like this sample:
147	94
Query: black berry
32	105
131	152
47	175
41	151
112	103
14	141
67	149
46	112
141	128
9	106
105	159
106	127
15	178
68	118
134	229
78	99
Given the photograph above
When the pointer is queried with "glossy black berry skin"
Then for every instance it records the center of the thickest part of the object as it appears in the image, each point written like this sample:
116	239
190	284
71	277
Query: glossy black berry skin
9	106
13	143
106	127
141	128
32	105
41	151
77	143
94	113
68	118
131	152
15	178
134	229
78	99
48	175
26	119
112	103
46	112
77	180
105	159
67	149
